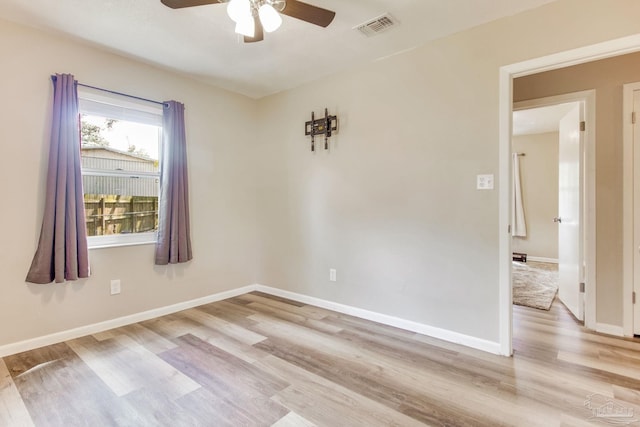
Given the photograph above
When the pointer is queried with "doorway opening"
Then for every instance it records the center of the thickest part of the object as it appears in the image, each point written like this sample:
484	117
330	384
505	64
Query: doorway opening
547	223
548	149
507	75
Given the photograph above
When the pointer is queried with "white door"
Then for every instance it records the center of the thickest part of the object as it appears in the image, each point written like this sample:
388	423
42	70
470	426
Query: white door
570	212
636	212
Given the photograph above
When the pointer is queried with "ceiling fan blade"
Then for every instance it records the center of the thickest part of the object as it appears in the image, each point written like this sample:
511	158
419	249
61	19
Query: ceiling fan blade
179	4
309	13
259	32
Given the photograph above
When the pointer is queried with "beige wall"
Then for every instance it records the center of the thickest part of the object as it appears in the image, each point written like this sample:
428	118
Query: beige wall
539	180
221	186
393	205
606	77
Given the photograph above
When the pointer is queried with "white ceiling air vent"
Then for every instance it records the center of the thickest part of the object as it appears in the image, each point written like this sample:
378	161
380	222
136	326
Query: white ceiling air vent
377	25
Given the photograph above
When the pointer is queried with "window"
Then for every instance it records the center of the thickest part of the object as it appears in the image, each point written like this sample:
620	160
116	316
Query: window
120	155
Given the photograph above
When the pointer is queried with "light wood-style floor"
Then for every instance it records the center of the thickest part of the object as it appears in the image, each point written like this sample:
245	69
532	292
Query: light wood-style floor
257	360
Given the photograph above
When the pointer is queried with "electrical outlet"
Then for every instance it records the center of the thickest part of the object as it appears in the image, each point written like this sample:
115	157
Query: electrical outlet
115	287
332	274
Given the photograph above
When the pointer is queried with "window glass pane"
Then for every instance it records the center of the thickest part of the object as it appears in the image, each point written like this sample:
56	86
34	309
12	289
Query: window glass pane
104	109
120	165
113	139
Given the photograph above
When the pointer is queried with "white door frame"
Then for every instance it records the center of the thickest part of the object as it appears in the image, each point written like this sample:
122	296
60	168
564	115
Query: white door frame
581	55
588	188
628	210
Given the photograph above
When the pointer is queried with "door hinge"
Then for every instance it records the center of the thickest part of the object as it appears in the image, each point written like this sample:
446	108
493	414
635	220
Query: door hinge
583	126
633	297
582	287
633	117
509	229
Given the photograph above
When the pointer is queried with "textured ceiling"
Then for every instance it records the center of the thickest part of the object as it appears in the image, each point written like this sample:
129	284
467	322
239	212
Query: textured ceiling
201	42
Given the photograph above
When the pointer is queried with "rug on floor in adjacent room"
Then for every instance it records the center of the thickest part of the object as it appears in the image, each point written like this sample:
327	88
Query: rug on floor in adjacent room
535	284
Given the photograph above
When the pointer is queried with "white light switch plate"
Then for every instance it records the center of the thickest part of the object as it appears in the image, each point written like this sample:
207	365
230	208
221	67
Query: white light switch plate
485	182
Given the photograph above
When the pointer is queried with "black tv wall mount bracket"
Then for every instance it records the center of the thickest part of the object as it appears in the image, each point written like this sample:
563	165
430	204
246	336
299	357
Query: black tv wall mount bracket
323	126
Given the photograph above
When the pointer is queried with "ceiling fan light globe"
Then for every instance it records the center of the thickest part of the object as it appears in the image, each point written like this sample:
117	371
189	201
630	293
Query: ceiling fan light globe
270	18
246	27
239	10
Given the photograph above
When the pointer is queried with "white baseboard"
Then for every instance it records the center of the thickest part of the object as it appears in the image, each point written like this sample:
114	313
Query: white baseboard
443	334
614	330
542	259
94	328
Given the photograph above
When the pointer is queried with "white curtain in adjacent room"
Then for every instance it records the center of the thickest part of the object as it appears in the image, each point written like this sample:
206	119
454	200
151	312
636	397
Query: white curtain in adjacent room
518	223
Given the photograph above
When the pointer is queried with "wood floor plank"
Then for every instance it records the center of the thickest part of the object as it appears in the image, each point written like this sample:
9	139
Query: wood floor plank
13	411
227	310
143	336
326	403
346	321
198	408
28	362
293	420
126	366
242	351
319	325
209	409
277	298
600	364
60	390
560	333
620	355
215	323
171	326
249	389
571	421
179	324
223	334
305	310
627	394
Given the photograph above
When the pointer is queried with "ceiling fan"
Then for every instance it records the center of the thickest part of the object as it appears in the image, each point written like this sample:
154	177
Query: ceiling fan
254	17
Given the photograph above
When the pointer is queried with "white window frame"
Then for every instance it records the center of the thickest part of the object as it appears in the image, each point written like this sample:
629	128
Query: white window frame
95	102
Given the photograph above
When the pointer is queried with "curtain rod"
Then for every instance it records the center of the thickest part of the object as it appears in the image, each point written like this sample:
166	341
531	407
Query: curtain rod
122	94
117	93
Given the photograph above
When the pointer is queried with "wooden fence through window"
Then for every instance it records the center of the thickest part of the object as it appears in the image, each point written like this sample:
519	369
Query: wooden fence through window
109	214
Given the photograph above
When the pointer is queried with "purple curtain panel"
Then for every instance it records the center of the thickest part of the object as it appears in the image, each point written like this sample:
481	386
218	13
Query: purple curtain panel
174	241
62	252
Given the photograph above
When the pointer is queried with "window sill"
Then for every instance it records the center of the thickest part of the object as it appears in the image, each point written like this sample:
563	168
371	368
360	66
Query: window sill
102	242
